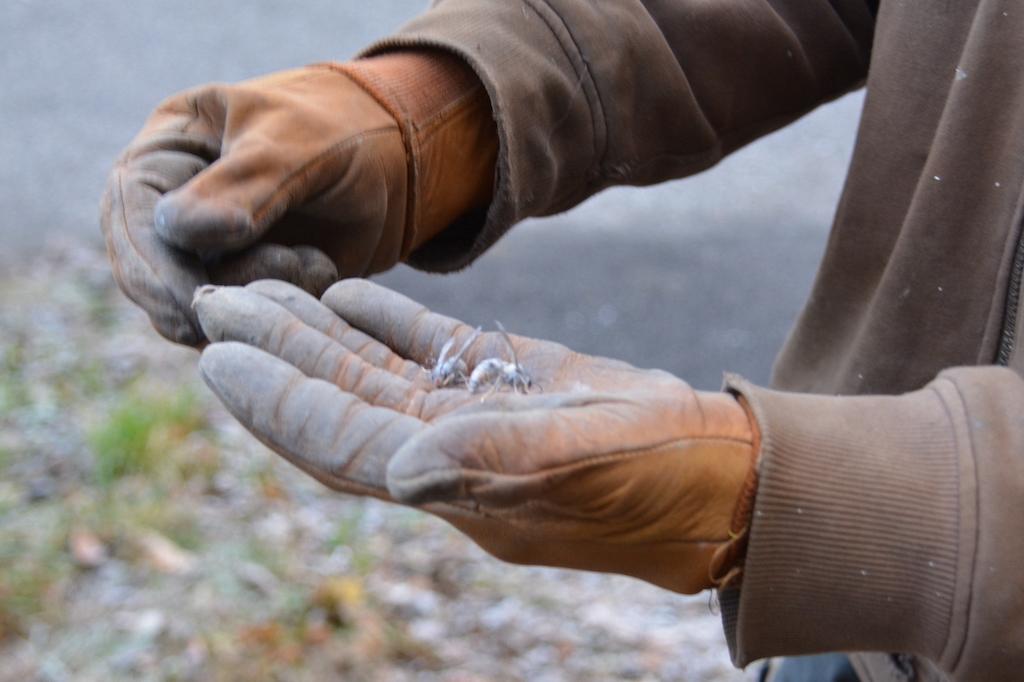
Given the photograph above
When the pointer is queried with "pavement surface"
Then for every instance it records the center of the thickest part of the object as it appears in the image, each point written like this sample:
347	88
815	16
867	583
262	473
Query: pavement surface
696	276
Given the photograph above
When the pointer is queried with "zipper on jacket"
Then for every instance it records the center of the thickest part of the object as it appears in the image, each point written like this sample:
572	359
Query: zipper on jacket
1008	337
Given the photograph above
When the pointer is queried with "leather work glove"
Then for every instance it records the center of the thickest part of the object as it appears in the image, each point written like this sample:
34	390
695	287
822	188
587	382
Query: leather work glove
599	466
305	175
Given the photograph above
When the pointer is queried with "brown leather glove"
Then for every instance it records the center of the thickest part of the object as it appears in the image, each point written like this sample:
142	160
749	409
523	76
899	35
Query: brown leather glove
360	163
600	466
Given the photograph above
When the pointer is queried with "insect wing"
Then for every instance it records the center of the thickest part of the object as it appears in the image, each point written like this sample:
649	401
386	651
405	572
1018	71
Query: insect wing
466	345
508	342
444	353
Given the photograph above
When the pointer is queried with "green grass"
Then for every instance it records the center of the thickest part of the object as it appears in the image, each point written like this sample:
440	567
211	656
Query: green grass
140	433
86	380
175	522
33	564
101	311
348	534
14	392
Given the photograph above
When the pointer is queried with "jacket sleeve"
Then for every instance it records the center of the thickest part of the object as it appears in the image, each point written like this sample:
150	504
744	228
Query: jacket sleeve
889	524
588	94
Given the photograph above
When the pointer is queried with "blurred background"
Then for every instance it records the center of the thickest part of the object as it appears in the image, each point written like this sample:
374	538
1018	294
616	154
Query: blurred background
144	535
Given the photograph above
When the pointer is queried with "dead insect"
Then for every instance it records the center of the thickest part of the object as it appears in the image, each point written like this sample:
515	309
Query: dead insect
487	373
448	371
495	372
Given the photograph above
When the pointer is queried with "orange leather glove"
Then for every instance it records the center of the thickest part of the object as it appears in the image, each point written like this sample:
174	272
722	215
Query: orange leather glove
304	175
600	466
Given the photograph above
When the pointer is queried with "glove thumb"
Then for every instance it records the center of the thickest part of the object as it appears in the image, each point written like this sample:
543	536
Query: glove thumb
226	207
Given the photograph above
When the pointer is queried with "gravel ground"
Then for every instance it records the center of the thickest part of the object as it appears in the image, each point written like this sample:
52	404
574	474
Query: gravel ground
144	535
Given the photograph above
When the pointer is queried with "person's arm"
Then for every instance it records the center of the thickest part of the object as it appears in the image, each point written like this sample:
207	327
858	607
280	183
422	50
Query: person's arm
885	523
888	523
592	94
344	169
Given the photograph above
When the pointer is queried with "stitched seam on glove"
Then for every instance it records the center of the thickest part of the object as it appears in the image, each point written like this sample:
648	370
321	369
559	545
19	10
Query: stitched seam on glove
405	128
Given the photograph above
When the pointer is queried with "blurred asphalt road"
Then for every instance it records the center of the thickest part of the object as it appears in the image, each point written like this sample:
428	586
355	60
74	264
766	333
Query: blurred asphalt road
695	276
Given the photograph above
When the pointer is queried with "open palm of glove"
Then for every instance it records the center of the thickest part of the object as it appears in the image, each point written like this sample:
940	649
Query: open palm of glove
601	466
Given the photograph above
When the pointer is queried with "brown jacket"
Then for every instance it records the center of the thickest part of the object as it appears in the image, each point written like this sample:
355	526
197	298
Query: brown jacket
889	516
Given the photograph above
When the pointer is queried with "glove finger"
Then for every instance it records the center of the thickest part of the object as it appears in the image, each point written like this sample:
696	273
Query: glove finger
316	271
236	314
320	317
304	266
176	126
330	434
158	278
405	326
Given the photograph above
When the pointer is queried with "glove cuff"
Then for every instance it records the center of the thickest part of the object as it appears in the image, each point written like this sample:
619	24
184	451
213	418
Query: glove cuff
726	567
727	564
450	136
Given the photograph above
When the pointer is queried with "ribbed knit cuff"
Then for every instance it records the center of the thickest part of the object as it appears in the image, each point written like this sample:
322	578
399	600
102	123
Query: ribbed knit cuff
856	537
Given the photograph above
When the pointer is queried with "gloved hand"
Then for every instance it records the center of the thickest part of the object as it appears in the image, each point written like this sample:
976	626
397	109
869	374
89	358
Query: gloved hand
359	163
600	466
